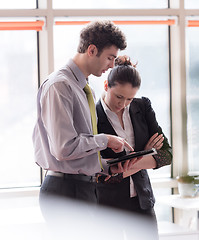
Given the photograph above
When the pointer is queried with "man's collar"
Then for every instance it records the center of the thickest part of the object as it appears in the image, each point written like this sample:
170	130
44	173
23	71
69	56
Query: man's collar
77	73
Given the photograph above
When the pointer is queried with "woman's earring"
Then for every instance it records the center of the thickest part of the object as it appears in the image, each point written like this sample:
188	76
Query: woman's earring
105	85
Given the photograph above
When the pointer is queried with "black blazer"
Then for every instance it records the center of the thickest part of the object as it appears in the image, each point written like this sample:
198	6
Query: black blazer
144	125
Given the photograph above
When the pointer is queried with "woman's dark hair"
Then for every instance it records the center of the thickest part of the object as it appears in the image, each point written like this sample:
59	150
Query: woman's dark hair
102	34
124	72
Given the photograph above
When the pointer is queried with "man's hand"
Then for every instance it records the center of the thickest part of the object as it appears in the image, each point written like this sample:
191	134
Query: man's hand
117	144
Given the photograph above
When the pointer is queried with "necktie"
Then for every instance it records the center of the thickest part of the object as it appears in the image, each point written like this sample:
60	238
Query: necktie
91	104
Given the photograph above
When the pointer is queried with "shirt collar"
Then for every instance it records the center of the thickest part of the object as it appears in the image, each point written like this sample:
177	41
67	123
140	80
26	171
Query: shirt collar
106	109
77	73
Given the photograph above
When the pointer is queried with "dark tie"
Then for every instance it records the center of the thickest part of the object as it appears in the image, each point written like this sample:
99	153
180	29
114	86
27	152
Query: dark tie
91	104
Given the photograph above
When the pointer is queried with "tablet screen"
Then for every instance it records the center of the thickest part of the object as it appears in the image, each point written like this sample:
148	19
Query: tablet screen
131	155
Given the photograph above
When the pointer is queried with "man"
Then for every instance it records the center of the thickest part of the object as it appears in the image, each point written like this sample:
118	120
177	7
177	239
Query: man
63	136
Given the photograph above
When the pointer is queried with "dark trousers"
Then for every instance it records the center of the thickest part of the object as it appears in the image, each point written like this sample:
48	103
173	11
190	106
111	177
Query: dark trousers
64	199
117	195
70	188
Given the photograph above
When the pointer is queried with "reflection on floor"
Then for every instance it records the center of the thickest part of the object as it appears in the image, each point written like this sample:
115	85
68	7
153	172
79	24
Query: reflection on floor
21	218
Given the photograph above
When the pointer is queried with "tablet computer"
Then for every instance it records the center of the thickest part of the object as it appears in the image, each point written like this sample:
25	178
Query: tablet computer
131	155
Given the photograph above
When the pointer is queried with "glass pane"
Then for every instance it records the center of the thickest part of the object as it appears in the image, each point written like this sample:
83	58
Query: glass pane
19	4
193	97
147	44
191	4
163	212
18	84
118	4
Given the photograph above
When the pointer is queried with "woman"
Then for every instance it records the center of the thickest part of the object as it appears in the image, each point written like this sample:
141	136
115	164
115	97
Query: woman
120	113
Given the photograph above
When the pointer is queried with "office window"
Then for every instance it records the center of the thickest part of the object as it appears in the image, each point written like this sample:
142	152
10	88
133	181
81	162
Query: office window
19	4
147	44
118	4
18	84
191	4
193	97
163	212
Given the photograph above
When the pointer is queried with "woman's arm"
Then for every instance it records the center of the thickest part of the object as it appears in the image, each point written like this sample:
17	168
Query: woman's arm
146	162
164	153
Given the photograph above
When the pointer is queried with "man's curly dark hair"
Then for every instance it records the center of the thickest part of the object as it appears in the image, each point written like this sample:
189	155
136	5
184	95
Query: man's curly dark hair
102	34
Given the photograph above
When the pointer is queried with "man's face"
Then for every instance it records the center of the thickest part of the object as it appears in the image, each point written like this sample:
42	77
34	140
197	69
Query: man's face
100	64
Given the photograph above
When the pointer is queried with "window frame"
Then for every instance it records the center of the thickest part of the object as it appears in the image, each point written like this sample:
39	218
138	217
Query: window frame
177	52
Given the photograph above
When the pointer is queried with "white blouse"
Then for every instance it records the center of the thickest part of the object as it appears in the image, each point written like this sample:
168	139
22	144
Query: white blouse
127	132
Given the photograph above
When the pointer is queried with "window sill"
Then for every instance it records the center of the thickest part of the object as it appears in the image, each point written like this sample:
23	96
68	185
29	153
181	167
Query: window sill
164	183
19	192
34	191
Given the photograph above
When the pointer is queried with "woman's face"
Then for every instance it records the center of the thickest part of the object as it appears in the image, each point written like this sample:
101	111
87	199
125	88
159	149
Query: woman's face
119	96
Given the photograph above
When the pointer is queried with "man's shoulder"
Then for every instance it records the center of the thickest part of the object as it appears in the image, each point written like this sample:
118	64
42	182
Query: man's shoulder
63	75
60	80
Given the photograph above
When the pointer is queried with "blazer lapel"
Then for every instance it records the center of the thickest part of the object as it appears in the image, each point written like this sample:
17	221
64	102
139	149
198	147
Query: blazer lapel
104	126
139	125
103	122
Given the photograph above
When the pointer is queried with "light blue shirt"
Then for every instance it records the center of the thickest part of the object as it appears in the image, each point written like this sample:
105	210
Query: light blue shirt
62	137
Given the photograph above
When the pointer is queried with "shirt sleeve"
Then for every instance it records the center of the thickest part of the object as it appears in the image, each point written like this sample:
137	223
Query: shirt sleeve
162	158
66	140
105	166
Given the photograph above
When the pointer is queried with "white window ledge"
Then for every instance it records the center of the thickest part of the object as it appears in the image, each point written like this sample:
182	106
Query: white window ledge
164	183
19	192
34	191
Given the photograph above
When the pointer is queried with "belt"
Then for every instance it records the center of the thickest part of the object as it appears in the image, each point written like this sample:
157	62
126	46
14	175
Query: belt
79	177
117	178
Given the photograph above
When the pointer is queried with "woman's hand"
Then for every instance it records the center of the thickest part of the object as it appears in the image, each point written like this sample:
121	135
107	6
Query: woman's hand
123	167
156	141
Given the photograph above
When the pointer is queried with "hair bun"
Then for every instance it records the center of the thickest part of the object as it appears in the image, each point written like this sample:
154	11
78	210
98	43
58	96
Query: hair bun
124	60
